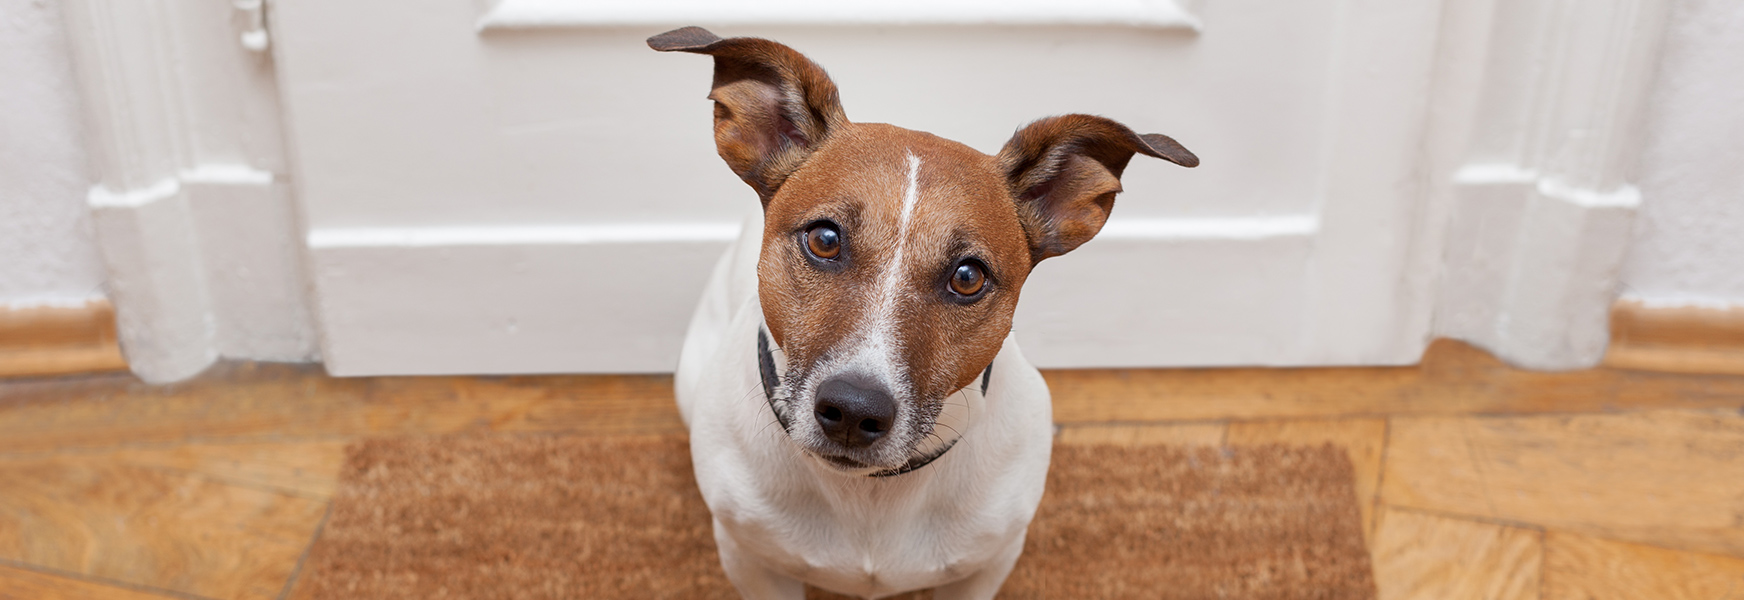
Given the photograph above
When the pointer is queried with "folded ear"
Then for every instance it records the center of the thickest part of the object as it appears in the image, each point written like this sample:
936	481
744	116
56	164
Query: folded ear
773	106
1064	172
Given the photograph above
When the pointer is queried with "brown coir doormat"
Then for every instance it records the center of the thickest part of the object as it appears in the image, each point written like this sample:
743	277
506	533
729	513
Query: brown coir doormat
578	517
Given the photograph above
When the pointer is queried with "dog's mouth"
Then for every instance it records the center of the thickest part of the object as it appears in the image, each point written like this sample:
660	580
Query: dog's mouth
844	463
917	457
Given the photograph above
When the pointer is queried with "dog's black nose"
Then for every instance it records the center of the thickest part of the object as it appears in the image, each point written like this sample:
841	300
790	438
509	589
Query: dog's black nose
854	412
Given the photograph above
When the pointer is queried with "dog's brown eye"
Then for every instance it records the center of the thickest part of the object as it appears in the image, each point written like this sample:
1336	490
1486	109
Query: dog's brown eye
968	279
824	241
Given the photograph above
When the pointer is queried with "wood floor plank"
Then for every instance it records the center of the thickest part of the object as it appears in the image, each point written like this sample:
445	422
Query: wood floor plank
1454	378
1427	557
24	584
1185	434
1578	567
152	528
264	401
307	467
1363	440
1667	478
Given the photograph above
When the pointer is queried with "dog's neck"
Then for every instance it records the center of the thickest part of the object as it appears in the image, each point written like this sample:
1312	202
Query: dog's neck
770	376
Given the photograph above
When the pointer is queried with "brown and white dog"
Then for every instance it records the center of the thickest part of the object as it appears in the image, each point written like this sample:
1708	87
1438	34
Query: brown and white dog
860	417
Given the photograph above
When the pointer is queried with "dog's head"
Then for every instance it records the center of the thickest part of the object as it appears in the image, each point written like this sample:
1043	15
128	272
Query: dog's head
892	259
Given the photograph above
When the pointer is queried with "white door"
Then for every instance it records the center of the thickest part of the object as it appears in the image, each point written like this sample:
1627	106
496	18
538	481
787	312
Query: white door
523	186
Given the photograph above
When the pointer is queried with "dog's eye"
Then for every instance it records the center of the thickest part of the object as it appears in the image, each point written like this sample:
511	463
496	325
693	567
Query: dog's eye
824	241
968	279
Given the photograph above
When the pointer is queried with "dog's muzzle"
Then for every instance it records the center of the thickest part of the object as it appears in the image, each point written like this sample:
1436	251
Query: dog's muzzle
851	412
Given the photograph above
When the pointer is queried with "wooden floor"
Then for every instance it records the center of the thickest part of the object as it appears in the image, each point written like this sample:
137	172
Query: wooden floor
1477	480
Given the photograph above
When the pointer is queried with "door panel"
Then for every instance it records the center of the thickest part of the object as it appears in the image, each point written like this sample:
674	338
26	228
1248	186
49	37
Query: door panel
461	185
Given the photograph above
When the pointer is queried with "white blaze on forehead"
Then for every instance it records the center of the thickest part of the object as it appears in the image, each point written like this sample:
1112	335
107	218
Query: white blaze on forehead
877	352
910	195
894	272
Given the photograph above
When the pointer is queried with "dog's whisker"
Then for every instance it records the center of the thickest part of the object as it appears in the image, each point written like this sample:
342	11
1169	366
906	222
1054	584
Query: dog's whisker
765	427
755	389
931	435
953	429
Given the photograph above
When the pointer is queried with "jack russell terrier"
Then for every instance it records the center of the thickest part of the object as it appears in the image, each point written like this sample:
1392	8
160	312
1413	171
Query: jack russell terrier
860	417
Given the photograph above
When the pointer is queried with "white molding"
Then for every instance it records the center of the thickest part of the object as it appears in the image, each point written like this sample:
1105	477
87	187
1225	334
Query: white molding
227	174
1541	206
197	263
198	245
1531	269
163	313
543	14
103	197
1493	173
1624	196
136	112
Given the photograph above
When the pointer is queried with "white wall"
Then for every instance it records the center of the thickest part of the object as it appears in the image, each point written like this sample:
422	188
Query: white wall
46	251
1689	238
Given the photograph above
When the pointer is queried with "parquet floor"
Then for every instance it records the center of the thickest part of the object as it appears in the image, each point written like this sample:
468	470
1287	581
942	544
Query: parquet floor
1478	480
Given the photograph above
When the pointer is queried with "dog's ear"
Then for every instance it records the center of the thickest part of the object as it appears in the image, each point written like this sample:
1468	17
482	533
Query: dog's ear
1064	172
773	106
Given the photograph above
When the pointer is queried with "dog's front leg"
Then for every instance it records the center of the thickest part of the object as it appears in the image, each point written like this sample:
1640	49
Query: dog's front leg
753	580
984	583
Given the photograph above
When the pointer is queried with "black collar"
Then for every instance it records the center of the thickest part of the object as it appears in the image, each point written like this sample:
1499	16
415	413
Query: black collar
771	380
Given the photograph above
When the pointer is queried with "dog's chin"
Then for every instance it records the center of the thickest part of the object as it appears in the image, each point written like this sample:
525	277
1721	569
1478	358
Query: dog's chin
846	465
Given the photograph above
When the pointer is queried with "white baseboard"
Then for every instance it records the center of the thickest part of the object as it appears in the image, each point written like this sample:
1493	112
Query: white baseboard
1532	267
203	265
513	307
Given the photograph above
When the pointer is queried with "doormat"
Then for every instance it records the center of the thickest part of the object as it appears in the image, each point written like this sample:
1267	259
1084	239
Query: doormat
549	517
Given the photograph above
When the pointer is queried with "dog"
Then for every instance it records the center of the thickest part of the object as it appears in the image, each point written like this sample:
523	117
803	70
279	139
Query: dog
860	416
